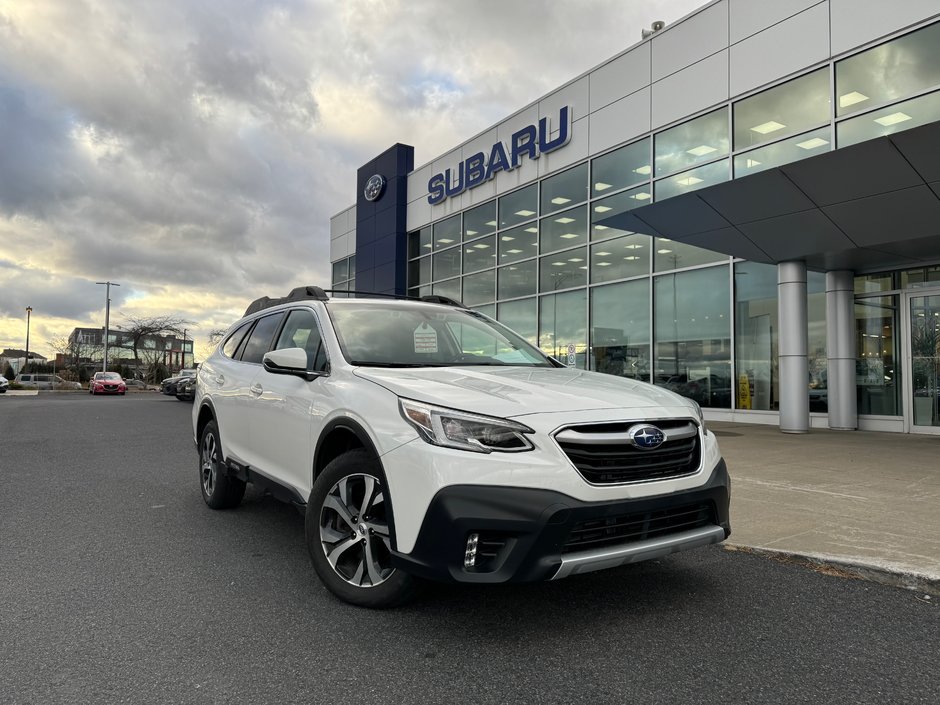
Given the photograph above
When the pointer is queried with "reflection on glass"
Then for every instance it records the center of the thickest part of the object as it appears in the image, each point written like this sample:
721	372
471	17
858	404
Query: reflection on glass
419	271
873	283
895	118
565	189
893	70
816	341
925	359
522	317
621	258
564	229
802	146
620	329
517	280
875	375
607	215
696	141
479	254
479	288
693	180
563	270
420	291
479	221
622	167
922	276
692	335
562	331
518	243
755	336
419	242
518	206
450	289
351	284
447	232
486	310
792	107
341	270
446	263
671	254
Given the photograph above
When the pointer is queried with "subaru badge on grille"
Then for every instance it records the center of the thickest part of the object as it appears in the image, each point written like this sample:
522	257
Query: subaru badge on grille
647	437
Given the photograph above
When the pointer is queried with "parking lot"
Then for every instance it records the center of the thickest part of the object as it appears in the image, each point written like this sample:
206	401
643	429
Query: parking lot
117	584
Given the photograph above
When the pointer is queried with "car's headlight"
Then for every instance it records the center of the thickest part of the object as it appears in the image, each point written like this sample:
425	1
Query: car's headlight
701	415
458	429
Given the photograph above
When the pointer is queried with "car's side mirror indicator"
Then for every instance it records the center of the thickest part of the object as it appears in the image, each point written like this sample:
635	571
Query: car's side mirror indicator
289	361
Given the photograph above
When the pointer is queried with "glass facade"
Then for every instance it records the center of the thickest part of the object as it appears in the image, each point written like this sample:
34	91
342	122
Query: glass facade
876	378
795	106
344	274
700	140
757	377
620	329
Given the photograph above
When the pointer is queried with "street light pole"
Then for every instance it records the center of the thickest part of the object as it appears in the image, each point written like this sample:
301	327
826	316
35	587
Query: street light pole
29	310
107	320
184	348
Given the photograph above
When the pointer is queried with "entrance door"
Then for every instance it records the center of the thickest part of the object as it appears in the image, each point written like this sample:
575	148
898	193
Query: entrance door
922	392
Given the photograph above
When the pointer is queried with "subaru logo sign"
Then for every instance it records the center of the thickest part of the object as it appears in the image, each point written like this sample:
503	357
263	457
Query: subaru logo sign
647	437
374	187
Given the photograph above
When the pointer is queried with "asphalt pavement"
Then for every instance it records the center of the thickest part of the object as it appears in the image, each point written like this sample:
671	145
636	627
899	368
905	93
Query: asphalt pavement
118	585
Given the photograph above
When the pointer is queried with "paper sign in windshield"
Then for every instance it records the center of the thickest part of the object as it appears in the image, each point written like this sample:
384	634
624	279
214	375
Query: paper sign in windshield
425	339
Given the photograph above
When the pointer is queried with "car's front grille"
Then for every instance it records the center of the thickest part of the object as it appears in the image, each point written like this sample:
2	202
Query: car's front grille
604	455
639	526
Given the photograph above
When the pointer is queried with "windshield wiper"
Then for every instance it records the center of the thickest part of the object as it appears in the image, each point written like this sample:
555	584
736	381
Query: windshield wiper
366	363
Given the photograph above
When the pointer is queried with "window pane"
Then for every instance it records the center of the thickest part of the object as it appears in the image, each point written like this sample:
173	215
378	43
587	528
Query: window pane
447	232
564	229
565	189
517	280
450	289
562	319
446	263
234	339
419	271
622	167
876	377
341	270
522	317
479	288
479	254
699	140
260	338
692	334
563	271
898	117
351	284
487	310
419	242
671	254
620	329
923	276
816	341
518	206
755	336
607	215
518	243
802	146
893	70
621	258
301	331
479	220
792	107
872	283
692	180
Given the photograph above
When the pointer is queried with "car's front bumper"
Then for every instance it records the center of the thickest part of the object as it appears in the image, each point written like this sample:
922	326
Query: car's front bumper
529	533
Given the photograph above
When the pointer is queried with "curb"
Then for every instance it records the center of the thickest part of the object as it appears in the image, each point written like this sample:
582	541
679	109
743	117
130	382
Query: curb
847	568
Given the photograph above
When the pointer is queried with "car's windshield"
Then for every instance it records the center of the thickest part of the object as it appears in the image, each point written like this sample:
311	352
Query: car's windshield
108	375
409	335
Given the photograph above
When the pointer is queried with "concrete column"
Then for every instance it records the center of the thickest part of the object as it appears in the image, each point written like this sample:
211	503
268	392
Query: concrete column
840	349
794	366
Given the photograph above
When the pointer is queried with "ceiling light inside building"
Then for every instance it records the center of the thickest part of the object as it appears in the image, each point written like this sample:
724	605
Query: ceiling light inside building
631	258
507	238
893	119
513	252
632	246
766	128
525	213
689	181
601	186
602	264
643	170
471	232
751	163
642	196
482	246
602	254
559	264
575	259
560	200
663	252
602	209
565	220
851	99
601	227
491	222
569	236
702	150
532	229
812	143
444	240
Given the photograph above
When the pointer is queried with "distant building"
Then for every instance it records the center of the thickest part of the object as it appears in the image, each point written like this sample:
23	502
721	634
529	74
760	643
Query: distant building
86	346
17	358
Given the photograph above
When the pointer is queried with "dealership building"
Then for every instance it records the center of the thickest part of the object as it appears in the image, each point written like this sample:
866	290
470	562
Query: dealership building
743	207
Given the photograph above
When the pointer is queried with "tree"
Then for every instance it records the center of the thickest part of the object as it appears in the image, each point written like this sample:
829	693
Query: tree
76	349
137	328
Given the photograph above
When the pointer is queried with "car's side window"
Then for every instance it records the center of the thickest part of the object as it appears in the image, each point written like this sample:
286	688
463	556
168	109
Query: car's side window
301	331
259	340
231	345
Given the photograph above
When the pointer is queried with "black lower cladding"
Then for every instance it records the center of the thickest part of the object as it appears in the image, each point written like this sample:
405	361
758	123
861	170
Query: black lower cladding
524	532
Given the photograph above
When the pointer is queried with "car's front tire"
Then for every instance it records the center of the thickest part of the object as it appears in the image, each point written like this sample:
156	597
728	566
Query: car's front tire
349	533
219	489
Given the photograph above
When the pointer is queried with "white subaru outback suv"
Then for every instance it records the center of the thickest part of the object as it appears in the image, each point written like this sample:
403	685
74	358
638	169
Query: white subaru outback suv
425	440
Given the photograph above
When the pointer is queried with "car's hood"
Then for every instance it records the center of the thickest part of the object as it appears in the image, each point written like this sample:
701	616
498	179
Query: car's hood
515	391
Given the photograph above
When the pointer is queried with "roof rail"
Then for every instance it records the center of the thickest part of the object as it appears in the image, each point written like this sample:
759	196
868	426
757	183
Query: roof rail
436	299
301	293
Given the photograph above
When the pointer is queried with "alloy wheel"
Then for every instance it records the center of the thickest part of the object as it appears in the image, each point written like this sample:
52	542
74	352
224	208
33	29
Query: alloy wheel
210	463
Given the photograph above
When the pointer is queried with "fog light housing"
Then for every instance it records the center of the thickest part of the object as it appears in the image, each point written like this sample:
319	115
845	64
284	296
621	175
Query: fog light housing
470	555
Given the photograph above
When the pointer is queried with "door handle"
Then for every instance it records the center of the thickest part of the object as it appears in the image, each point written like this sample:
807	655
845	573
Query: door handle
256	389
220	380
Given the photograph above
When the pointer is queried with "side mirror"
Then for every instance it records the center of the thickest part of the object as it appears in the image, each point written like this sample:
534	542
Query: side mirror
289	361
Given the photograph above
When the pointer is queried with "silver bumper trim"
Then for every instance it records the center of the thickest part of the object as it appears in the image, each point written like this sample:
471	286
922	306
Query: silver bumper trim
613	556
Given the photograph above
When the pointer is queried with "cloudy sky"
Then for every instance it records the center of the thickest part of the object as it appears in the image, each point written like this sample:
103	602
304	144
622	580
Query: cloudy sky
195	151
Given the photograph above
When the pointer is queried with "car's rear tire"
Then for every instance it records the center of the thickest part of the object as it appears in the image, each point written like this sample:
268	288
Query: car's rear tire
349	533
219	489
